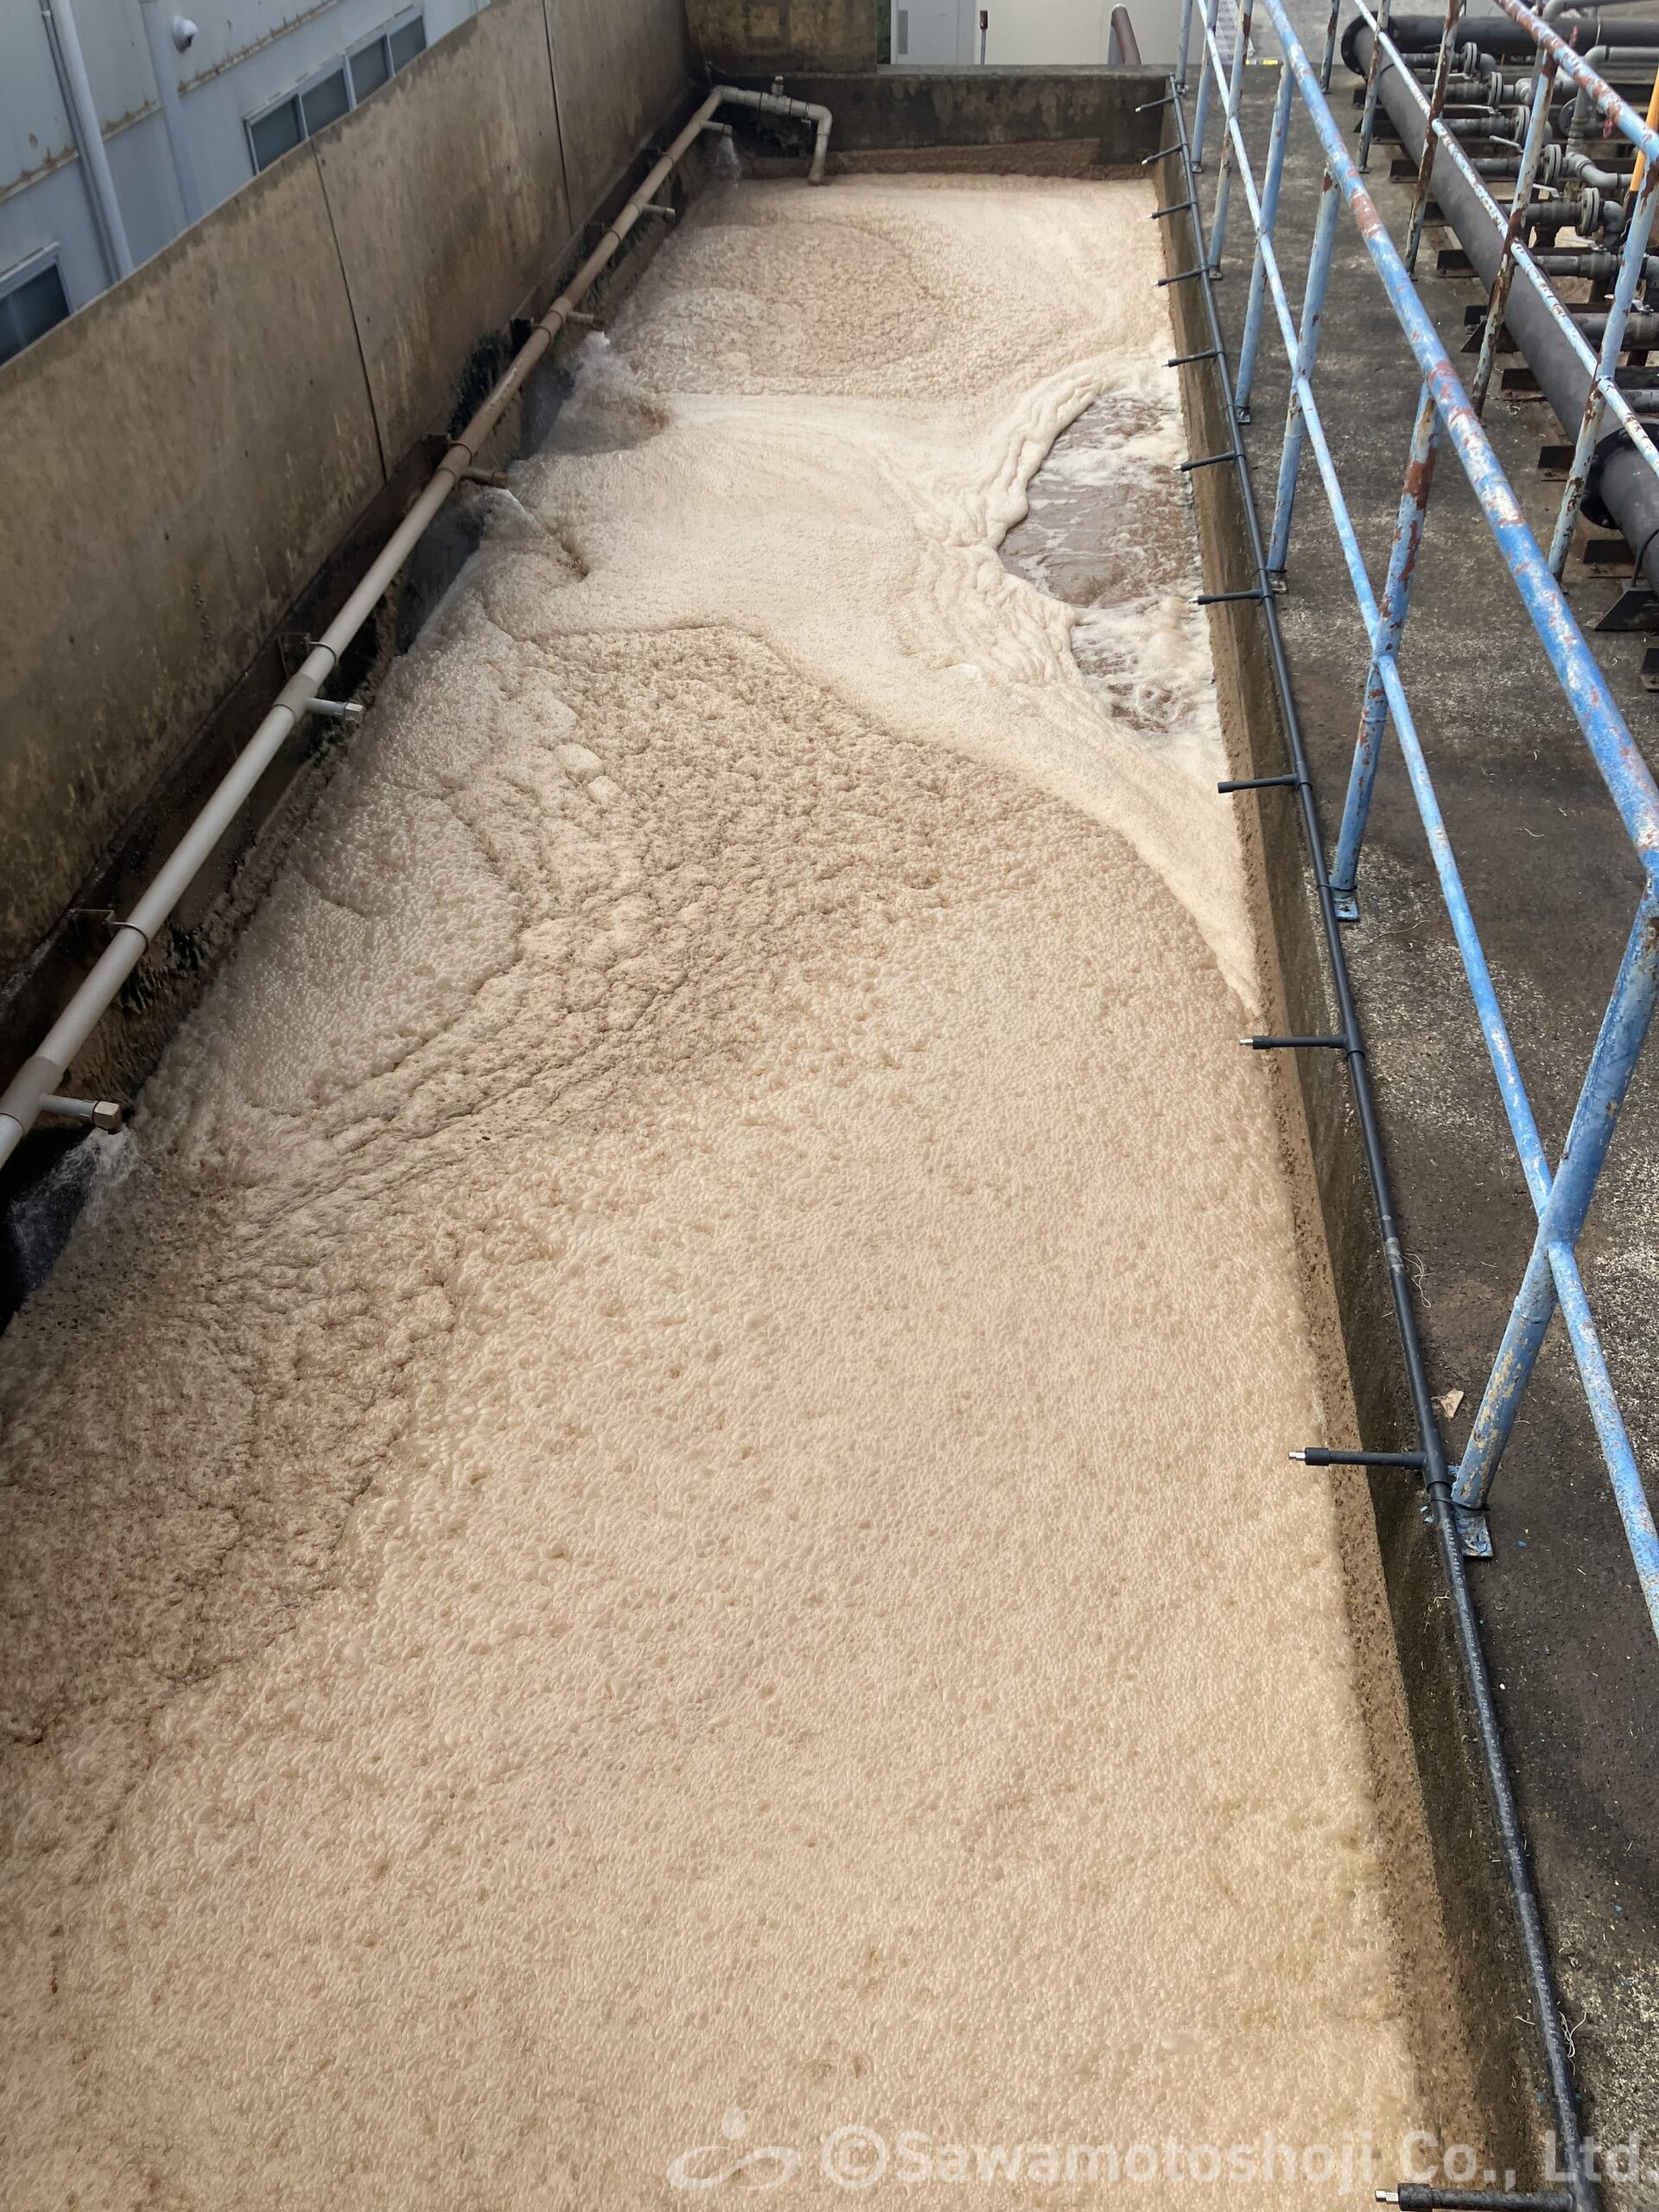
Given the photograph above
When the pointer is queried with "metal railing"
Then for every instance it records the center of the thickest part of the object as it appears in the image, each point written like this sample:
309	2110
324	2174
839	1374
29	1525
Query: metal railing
1447	415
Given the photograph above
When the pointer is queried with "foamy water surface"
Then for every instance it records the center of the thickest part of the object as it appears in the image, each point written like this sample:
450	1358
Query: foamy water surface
663	1490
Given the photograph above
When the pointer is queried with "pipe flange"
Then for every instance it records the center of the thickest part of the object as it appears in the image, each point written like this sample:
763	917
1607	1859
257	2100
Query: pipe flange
1642	551
1592	507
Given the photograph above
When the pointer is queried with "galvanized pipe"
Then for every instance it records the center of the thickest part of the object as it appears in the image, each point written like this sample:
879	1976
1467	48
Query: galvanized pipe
1219	219
1553	1276
1333	22
1307	352
1368	113
1201	114
41	1073
1624	1030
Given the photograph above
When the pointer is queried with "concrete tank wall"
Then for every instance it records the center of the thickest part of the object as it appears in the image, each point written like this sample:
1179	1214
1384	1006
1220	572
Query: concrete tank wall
751	34
177	459
448	202
618	69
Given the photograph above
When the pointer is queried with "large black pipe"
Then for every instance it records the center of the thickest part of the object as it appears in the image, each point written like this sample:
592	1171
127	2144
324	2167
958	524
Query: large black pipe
1497	35
1622	490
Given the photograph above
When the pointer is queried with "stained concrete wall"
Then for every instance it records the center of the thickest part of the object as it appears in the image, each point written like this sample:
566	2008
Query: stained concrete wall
739	35
619	65
177	460
967	112
174	461
447	195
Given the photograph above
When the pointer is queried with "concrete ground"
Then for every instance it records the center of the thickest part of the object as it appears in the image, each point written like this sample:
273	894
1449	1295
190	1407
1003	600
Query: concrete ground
1554	886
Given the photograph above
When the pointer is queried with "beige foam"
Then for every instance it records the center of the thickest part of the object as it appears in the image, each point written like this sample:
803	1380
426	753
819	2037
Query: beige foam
663	1487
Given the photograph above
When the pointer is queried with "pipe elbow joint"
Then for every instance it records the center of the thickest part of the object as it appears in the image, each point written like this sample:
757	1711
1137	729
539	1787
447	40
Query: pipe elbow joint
775	103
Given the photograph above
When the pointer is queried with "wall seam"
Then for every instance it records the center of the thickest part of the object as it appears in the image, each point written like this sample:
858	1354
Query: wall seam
351	305
570	216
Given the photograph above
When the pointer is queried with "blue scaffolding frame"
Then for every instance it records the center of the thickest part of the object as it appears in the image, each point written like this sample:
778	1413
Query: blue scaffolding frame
1447	415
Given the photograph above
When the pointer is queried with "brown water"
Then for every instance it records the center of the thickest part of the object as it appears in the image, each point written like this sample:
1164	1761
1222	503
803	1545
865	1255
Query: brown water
655	1520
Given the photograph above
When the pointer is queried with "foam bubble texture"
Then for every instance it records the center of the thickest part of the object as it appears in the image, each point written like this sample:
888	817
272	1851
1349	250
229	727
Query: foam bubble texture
663	1481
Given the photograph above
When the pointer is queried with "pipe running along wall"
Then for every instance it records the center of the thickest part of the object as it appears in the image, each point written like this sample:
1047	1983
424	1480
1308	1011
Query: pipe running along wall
1619	478
37	1080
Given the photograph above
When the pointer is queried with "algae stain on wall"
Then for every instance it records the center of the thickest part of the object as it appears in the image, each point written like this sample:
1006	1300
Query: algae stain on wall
750	34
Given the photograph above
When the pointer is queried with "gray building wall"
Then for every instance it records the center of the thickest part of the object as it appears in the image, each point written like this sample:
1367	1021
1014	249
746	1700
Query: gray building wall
246	54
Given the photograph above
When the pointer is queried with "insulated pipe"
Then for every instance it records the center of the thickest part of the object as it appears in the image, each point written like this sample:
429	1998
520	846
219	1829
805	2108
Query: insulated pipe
40	1074
163	53
1620	479
64	42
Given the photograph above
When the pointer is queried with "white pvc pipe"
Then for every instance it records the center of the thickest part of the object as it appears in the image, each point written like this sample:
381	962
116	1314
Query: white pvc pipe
775	103
89	134
163	53
40	1074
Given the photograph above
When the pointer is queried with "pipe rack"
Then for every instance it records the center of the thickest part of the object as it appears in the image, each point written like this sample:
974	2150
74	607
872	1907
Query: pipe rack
37	1080
1617	472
